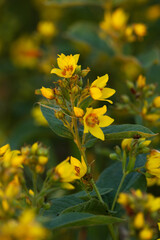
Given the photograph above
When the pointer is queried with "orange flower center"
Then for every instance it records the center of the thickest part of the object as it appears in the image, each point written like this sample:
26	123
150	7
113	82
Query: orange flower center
77	169
92	120
67	69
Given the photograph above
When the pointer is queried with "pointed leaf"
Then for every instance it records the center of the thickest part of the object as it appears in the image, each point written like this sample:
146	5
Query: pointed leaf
55	124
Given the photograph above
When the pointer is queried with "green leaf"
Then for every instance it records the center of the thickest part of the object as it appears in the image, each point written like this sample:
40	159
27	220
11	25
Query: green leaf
115	132
89	33
80	220
102	191
55	124
93	206
112	175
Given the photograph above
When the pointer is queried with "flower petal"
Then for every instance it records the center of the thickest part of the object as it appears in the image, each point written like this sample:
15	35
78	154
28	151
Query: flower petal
100	111
100	82
97	132
57	71
105	121
95	93
76	58
107	92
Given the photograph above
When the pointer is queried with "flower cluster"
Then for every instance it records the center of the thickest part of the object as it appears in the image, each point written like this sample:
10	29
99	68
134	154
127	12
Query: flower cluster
115	25
70	94
25	227
143	213
142	102
35	156
130	148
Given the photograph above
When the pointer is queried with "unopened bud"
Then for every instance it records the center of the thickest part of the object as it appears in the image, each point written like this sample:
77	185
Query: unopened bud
130	84
80	82
78	112
59	101
38	92
75	89
85	72
59	115
57	92
42	160
25	150
113	156
145	150
34	148
46	206
125	98
42	151
47	93
78	70
117	150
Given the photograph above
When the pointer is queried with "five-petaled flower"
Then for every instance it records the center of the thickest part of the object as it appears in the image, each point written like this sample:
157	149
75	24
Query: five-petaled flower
98	90
67	65
70	170
94	120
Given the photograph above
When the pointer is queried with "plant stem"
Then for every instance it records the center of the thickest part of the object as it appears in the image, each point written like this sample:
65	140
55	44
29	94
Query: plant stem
96	190
35	188
112	231
118	190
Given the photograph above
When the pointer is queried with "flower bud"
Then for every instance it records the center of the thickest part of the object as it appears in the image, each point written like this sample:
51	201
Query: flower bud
78	112
75	90
125	98
130	84
139	220
85	72
156	102
59	114
34	148
42	160
113	156
47	93
59	101
118	150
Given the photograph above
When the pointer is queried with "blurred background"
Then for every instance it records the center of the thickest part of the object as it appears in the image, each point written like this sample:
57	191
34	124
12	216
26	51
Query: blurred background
118	37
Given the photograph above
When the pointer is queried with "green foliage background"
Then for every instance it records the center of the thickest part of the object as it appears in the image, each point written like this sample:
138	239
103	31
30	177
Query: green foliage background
77	31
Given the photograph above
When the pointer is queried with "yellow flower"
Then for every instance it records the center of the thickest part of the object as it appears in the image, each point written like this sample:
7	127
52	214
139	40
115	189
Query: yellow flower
78	112
140	29
70	170
153	203
13	158
42	160
139	220
119	19
67	65
153	163
47	93
46	28
116	20
146	234
153	181
158	225
126	143
141	81
4	149
98	90
153	117
156	102
123	199
94	120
